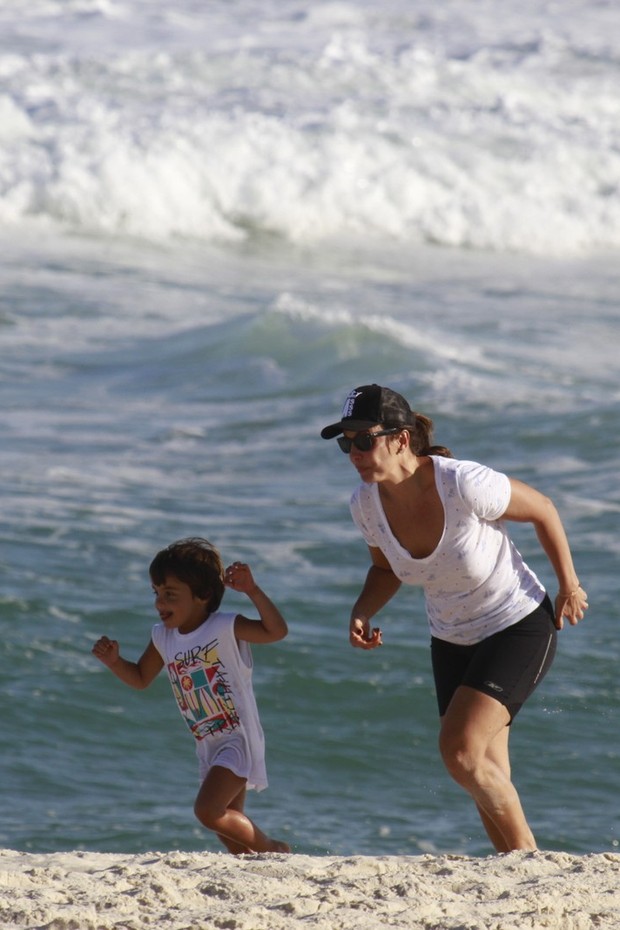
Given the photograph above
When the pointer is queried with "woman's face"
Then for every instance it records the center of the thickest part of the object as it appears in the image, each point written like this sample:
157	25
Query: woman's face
376	462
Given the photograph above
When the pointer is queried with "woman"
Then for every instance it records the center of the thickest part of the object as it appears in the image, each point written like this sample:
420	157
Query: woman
431	520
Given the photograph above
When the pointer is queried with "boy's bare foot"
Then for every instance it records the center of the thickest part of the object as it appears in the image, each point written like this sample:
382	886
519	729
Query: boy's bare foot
278	846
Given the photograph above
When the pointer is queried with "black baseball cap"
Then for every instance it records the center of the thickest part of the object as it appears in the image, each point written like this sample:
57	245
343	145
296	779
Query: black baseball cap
368	406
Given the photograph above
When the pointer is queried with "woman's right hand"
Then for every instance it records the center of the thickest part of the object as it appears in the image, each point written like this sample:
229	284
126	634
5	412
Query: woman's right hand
362	637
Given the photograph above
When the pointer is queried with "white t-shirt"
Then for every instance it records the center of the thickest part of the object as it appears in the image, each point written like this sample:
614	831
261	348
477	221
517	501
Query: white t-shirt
475	582
211	677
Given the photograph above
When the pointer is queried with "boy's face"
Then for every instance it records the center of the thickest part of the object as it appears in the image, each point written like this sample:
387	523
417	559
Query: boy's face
177	607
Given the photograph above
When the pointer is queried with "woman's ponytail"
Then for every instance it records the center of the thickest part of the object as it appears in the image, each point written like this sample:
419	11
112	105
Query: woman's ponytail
421	433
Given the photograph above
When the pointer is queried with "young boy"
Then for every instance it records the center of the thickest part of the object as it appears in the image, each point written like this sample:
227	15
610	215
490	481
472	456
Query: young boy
209	662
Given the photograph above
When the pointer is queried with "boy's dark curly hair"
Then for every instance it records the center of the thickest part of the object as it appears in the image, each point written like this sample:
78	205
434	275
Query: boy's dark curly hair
195	562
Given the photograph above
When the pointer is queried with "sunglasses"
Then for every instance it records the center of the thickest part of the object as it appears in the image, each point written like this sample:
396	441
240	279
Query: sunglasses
364	441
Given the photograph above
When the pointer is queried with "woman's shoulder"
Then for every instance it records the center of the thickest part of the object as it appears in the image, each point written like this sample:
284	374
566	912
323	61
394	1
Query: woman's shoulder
480	487
363	495
464	469
365	510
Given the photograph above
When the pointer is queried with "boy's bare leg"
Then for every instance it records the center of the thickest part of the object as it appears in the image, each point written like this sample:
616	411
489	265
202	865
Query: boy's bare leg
235	848
474	746
219	807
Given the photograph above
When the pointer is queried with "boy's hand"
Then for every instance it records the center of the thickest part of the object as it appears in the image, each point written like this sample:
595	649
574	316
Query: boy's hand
107	651
239	577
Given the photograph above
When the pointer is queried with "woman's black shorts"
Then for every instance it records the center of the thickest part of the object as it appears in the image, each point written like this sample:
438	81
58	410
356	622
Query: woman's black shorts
507	665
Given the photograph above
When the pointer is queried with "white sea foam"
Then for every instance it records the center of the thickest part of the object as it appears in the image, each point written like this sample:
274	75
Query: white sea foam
449	126
400	333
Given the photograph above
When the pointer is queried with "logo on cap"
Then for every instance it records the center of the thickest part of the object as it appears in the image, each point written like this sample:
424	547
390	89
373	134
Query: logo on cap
349	403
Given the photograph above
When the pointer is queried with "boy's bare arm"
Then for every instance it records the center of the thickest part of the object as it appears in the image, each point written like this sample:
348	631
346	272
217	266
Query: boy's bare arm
272	626
138	674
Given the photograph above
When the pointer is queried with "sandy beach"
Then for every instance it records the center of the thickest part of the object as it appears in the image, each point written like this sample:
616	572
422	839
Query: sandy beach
178	891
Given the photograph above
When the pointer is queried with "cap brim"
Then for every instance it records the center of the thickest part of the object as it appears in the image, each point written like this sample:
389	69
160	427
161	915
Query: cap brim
329	432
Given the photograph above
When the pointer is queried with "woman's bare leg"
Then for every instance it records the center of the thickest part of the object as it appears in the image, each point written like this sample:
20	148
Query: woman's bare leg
219	807
474	746
498	751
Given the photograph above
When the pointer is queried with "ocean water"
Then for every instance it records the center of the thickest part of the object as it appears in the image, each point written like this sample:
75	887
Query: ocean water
216	219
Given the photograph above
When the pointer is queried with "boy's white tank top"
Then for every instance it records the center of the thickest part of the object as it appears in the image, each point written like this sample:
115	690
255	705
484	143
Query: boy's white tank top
211	677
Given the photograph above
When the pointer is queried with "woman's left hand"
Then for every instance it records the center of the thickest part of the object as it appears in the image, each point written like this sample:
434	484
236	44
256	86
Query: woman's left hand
362	637
572	606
